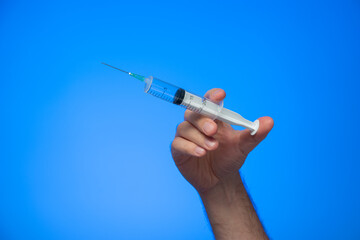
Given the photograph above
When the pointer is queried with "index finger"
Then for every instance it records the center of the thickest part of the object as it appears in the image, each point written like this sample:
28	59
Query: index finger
215	94
205	124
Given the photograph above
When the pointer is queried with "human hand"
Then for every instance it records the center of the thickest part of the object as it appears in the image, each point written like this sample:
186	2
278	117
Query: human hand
209	152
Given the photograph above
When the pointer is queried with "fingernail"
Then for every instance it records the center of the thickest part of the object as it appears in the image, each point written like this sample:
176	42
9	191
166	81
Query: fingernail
199	151
208	127
210	143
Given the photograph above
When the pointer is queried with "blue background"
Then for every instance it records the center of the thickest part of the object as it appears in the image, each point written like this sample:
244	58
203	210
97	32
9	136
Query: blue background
85	153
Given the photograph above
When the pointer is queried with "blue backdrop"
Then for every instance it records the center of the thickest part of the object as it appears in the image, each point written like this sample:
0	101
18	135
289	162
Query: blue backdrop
85	153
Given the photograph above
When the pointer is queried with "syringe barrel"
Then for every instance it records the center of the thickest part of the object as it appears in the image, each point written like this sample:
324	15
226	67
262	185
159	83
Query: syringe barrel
163	90
202	105
179	96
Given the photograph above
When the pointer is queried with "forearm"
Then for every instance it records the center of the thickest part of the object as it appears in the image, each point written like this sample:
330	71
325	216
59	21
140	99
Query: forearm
230	211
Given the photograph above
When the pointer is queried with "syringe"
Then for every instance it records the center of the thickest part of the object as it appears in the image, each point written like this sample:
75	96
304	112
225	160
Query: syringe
201	105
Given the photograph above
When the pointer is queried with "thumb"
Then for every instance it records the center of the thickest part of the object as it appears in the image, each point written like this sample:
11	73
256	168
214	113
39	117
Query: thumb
247	142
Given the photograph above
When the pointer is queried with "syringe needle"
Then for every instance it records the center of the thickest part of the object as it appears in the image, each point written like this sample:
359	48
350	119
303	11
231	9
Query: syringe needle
115	68
137	76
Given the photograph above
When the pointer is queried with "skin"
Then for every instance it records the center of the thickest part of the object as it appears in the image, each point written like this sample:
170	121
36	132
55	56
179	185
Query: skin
209	155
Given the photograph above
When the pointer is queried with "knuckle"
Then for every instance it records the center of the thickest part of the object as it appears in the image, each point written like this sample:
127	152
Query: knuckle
183	128
173	143
180	126
177	143
187	114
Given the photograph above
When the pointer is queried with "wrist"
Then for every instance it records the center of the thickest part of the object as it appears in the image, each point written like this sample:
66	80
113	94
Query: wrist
225	193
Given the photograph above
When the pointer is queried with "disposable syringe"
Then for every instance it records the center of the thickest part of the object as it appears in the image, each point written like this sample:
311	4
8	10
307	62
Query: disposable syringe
201	105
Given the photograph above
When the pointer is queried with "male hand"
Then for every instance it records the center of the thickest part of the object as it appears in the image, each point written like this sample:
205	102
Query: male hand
209	152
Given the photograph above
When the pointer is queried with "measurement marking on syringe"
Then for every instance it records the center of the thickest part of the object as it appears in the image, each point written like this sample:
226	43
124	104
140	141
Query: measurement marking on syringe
165	89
